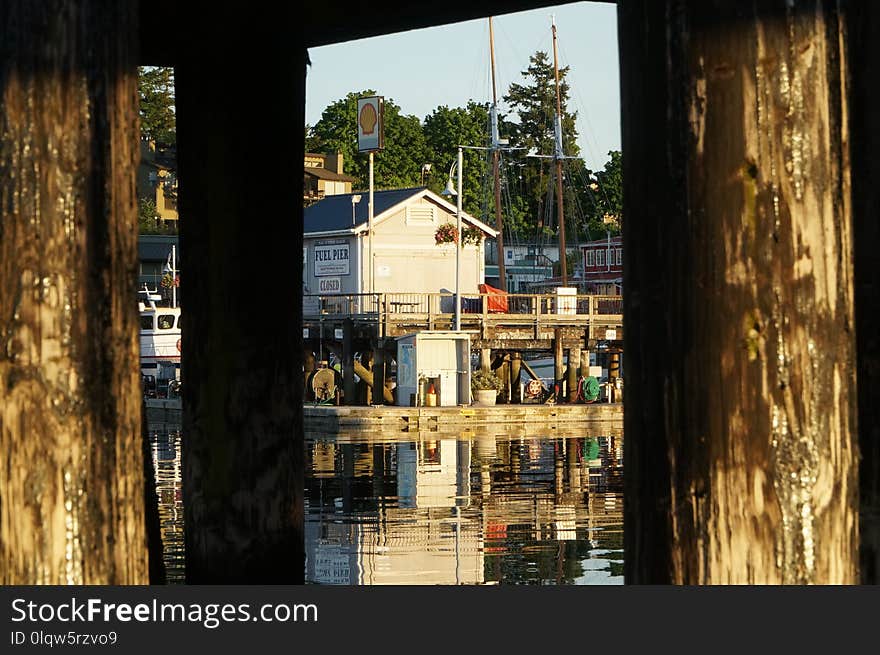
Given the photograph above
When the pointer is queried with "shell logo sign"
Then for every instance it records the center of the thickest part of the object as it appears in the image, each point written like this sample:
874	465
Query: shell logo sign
369	123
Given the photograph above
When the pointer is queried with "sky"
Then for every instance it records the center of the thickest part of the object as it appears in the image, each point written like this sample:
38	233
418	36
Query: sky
420	70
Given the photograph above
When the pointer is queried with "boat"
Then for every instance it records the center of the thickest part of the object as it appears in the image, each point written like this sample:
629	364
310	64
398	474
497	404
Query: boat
160	339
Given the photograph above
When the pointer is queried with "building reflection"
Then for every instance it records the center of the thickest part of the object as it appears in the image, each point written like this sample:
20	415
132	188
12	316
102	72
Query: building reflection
463	509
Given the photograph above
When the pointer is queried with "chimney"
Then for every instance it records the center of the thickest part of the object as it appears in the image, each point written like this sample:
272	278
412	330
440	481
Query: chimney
339	162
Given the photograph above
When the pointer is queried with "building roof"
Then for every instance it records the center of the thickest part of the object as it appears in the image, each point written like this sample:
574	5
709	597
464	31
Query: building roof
157	247
326	174
333	213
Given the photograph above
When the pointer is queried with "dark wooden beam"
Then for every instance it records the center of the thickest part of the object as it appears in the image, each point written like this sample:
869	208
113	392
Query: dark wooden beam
240	114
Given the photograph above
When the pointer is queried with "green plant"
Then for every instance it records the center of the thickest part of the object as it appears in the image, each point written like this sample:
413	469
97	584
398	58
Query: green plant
484	381
446	233
471	235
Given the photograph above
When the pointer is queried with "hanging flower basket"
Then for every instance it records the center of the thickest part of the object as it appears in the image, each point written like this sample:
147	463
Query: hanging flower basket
446	233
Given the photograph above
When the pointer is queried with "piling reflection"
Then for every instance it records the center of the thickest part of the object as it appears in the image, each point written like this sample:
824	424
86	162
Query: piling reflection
165	446
423	508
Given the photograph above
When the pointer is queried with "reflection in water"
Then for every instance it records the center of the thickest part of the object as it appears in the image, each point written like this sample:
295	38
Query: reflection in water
165	445
424	508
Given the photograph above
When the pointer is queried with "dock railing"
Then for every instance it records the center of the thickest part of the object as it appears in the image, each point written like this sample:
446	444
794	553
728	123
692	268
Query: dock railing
436	310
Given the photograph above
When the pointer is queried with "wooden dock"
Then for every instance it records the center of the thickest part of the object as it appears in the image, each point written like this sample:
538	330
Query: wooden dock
517	322
333	418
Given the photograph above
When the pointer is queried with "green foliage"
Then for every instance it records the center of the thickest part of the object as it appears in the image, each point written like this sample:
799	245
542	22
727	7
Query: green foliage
534	103
603	198
157	110
482	380
528	184
399	165
148	219
445	129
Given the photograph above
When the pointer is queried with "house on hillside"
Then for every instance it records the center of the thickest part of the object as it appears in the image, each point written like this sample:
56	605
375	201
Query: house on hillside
323	176
406	257
157	180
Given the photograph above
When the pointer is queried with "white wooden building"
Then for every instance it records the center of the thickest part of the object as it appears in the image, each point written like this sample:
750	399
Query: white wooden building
404	253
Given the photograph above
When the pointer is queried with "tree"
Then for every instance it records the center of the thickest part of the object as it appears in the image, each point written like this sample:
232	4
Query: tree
534	104
445	129
601	198
157	110
398	165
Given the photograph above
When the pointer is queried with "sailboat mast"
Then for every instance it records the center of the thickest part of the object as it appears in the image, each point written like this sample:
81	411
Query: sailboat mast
563	263
496	154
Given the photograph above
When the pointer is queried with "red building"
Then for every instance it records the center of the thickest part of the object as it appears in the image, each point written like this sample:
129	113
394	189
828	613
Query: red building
603	266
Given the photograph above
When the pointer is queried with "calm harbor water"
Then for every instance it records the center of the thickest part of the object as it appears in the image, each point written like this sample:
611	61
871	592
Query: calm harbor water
423	508
429	508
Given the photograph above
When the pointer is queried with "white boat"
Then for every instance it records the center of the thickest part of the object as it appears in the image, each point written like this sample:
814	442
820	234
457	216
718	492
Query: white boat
160	342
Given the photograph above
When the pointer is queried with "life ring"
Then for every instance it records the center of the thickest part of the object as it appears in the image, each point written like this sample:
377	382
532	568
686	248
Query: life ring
534	388
178	345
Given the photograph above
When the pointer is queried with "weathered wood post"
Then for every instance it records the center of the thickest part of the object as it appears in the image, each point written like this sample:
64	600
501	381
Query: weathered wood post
516	377
71	479
378	370
348	361
863	49
558	365
238	112
741	450
574	362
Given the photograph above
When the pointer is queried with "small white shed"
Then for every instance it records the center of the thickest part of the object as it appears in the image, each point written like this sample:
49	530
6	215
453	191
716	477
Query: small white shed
441	358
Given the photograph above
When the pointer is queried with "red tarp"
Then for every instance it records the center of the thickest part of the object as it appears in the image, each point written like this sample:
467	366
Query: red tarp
496	298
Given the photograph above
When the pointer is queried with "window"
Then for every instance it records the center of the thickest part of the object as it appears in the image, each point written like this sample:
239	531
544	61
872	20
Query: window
178	322
589	259
620	256
600	258
166	321
146	322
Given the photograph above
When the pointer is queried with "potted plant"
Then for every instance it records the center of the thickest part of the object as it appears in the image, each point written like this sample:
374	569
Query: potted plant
485	387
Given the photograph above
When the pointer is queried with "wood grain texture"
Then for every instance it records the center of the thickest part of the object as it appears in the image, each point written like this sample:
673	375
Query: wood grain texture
741	401
71	481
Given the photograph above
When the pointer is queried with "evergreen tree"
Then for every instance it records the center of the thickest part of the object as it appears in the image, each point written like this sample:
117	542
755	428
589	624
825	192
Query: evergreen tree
156	93
534	103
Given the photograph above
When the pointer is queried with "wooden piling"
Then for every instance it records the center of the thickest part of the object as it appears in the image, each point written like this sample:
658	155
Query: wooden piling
242	397
741	452
574	362
348	362
516	377
378	397
558	364
485	359
72	481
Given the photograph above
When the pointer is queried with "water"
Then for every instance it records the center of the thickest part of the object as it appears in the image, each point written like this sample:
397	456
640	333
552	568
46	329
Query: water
424	508
427	508
165	446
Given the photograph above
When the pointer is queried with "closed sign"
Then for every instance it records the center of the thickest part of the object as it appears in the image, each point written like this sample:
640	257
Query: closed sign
329	285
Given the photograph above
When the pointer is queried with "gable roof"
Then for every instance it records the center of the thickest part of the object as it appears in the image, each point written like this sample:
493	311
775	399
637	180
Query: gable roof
333	213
